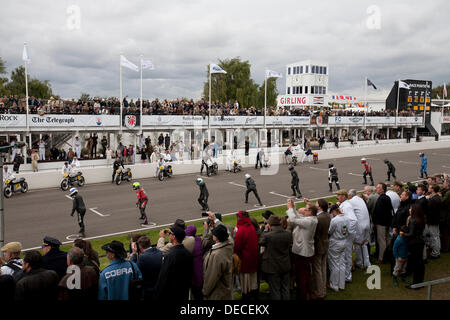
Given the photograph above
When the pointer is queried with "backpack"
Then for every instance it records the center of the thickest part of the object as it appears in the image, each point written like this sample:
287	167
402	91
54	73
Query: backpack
136	288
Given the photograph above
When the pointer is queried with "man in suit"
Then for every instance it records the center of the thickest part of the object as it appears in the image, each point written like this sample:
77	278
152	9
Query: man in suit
276	262
319	261
382	218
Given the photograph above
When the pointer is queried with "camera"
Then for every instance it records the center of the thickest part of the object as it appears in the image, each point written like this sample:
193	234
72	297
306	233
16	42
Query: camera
166	231
204	214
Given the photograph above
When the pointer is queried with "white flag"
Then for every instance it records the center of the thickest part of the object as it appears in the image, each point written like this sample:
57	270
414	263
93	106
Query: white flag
403	85
147	64
25	54
214	68
445	91
273	74
126	63
438	96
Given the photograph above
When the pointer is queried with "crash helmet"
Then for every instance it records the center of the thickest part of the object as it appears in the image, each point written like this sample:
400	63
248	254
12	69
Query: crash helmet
330	165
136	185
247	175
363	160
199	181
421	154
386	160
291	167
73	191
66	163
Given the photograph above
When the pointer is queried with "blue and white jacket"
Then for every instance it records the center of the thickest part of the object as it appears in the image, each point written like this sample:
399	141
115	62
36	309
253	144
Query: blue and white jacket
115	280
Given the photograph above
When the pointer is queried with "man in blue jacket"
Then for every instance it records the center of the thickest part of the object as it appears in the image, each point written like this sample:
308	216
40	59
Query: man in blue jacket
423	165
115	279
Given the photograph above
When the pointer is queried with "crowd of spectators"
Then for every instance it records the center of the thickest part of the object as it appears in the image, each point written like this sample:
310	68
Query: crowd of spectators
299	254
98	106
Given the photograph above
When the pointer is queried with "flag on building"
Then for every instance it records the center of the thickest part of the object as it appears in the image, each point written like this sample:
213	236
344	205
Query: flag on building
214	68
147	64
370	83
273	74
124	62
403	85
318	100
25	54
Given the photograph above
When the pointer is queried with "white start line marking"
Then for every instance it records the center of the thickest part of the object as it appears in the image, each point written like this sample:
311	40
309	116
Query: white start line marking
356	174
95	211
414	163
237	184
281	195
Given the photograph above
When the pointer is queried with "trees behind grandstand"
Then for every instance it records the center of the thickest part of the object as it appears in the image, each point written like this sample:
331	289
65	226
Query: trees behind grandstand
237	84
15	85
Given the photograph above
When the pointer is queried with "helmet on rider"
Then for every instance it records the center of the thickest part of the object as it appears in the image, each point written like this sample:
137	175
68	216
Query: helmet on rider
363	160
386	160
199	181
247	175
330	165
73	191
136	185
421	154
291	167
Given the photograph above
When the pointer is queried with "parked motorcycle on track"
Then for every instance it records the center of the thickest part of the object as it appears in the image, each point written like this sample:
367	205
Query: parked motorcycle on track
211	168
71	180
165	172
123	174
13	185
237	166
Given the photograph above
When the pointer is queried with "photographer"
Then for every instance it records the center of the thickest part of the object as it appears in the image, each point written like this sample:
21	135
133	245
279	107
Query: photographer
214	219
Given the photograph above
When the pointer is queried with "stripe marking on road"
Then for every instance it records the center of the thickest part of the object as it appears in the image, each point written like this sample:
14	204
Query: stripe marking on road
318	169
356	174
281	195
95	211
68	197
237	184
414	163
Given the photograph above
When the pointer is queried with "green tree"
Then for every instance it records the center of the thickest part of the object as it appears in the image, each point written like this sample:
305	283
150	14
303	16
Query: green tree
36	88
236	84
438	91
3	80
272	93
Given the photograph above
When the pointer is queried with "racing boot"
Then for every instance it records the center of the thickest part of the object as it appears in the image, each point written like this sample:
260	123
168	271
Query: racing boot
81	232
337	184
331	187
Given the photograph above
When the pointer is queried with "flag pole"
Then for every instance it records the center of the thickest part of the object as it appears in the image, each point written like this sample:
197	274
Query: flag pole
120	67
141	96
26	93
366	107
425	105
209	109
265	100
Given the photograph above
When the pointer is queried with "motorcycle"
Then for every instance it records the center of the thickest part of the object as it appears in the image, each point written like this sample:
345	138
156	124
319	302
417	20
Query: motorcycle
123	174
211	168
315	157
266	163
13	186
237	166
165	171
70	180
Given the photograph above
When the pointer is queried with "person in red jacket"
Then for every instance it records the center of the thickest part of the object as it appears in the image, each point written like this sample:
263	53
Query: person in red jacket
367	171
246	248
142	200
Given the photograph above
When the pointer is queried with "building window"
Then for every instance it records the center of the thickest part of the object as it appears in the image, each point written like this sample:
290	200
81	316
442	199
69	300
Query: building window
324	70
313	89
288	90
301	89
313	69
324	90
289	70
321	70
306	69
301	69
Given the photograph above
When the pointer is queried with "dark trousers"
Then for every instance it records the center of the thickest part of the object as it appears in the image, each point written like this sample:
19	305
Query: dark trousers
104	150
415	261
336	181
246	151
258	160
389	175
295	189
143	214
203	165
113	175
255	193
203	202
303	277
80	216
279	285
94	150
370	176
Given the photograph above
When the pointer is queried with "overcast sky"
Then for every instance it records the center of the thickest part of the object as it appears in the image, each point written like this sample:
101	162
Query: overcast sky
182	37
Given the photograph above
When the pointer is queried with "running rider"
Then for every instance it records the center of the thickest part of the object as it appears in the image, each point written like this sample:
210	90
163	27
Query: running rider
142	201
80	208
367	171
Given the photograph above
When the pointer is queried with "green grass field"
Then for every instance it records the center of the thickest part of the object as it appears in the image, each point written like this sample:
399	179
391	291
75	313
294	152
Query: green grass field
357	290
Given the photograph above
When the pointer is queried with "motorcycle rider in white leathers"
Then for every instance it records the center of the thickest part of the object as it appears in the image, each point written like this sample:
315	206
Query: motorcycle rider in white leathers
347	209
338	234
362	236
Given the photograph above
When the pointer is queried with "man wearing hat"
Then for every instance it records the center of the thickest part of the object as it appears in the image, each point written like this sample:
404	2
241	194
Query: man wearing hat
188	241
175	277
54	259
276	262
294	182
79	207
217	266
347	209
251	187
116	278
214	220
12	264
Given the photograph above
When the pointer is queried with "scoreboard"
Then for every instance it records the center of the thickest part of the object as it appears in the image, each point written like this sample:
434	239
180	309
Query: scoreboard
417	97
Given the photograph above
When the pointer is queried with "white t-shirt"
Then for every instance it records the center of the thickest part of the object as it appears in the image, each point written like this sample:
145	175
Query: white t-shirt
395	199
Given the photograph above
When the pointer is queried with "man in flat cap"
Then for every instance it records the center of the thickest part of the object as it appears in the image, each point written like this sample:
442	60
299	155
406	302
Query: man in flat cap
12	264
54	259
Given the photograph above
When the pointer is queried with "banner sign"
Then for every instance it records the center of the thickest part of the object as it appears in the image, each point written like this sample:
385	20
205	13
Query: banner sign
410	120
162	121
446	119
380	120
345	120
13	120
79	120
285	120
237	121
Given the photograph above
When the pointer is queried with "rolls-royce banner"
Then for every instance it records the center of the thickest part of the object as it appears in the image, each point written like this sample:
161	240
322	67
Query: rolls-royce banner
410	120
76	120
237	121
13	120
380	120
345	120
157	120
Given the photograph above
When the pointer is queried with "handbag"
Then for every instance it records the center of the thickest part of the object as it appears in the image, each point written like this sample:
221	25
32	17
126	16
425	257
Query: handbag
136	288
